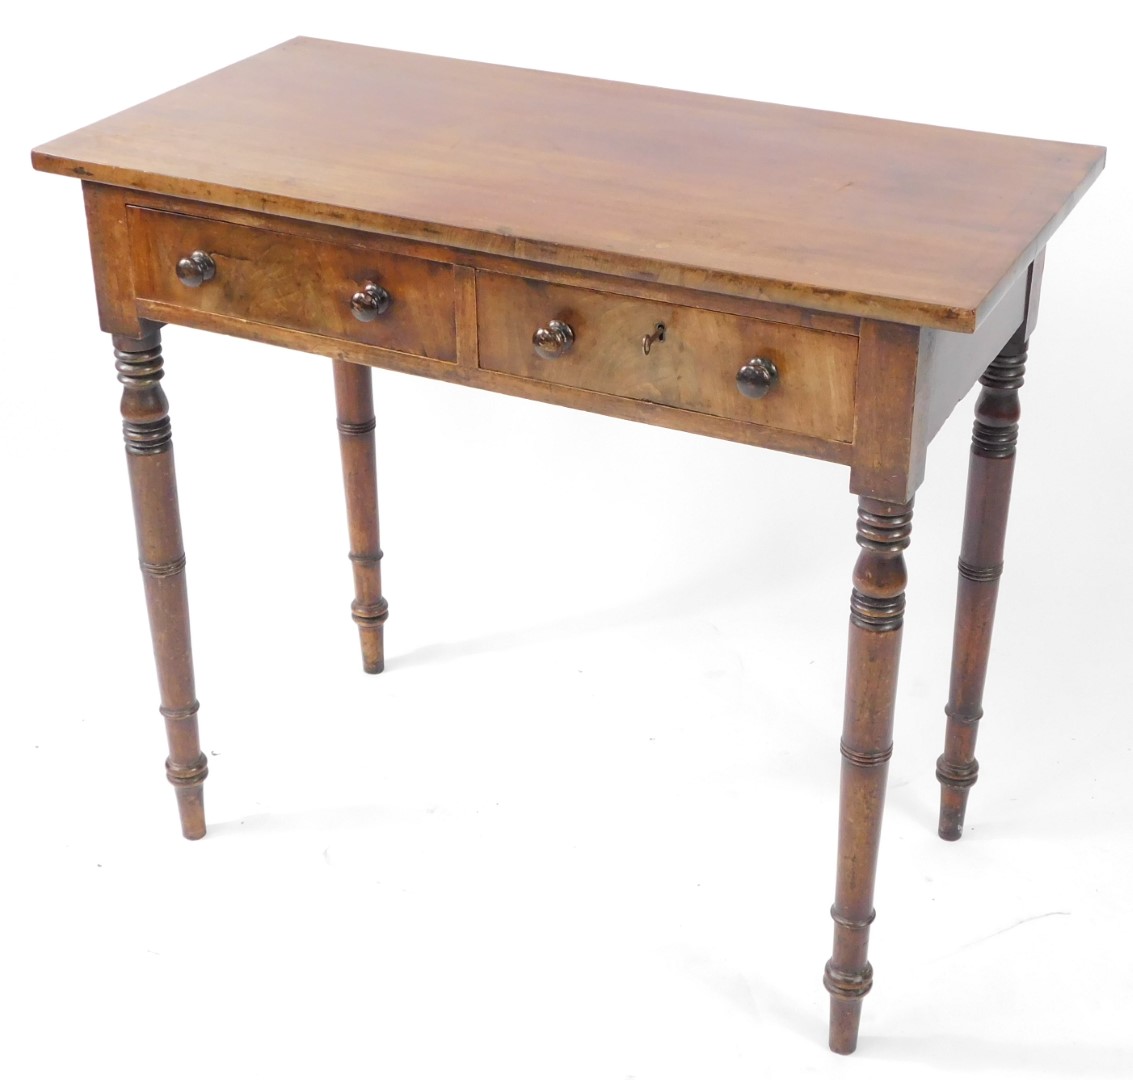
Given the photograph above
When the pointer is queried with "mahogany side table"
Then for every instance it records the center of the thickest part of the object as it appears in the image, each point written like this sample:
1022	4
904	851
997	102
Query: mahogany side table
811	282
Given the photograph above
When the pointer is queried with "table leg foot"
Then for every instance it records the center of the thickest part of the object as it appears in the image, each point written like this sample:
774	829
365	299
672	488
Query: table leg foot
188	783
845	1018
153	484
354	398
877	609
990	472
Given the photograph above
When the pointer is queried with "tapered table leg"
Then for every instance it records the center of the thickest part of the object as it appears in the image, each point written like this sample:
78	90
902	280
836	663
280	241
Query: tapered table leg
354	397
877	608
153	483
990	471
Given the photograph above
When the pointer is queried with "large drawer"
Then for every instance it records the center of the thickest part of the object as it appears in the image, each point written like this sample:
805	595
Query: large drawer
295	282
694	367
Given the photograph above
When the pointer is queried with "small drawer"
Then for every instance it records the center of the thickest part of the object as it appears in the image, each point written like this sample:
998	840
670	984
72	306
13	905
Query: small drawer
295	282
695	367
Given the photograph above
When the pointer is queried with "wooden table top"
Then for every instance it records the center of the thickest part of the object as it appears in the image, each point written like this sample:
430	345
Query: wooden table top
876	218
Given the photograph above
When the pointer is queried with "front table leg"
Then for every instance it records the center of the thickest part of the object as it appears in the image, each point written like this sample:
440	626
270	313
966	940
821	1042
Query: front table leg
153	483
877	608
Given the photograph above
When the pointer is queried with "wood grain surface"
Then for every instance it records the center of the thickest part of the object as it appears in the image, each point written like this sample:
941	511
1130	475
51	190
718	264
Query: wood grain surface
840	213
693	368
301	284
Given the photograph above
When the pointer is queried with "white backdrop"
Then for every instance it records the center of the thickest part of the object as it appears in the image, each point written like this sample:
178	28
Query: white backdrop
584	824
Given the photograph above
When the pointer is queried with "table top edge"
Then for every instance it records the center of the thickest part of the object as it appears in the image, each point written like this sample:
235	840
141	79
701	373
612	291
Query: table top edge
954	305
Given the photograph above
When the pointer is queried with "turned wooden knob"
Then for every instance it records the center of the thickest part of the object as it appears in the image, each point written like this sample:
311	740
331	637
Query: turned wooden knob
194	270
370	302
756	378
553	340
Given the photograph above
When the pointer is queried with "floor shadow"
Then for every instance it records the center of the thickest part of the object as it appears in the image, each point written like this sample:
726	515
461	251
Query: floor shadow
686	598
321	819
961	1053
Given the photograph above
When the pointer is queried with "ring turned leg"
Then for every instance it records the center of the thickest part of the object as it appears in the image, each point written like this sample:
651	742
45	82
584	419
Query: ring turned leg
991	467
153	483
877	608
355	401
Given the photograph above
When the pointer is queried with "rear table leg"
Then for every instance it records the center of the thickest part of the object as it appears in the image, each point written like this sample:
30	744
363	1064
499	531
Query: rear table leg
990	471
355	400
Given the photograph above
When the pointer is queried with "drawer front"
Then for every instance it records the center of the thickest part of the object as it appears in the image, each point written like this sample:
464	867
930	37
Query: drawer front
695	367
296	282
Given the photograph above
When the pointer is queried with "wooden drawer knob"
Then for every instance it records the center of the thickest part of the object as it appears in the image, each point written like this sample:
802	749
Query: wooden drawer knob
757	377
553	340
370	302
194	270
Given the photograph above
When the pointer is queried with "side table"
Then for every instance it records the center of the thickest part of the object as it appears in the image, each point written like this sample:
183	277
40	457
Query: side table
817	283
